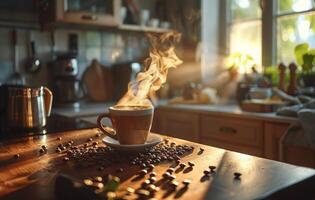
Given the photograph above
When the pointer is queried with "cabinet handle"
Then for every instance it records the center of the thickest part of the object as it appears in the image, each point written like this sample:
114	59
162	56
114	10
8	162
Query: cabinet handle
89	17
229	130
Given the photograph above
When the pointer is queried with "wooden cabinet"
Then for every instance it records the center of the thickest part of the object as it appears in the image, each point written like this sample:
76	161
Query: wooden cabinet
291	154
96	12
180	124
245	136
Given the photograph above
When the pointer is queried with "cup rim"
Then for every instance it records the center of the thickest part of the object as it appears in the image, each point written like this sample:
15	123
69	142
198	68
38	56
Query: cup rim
145	111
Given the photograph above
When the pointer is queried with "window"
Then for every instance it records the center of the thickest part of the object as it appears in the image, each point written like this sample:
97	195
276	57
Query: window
291	22
245	29
295	25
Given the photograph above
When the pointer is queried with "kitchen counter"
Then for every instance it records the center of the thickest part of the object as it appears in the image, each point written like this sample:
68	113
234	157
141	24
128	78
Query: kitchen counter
228	110
32	175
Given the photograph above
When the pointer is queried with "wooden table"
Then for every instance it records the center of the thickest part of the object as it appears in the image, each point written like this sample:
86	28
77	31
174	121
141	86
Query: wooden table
32	176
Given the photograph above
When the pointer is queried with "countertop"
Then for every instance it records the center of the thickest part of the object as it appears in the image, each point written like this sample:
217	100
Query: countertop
32	175
230	110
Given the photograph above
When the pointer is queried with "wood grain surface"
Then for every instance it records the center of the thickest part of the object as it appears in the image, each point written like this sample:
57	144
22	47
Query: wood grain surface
32	175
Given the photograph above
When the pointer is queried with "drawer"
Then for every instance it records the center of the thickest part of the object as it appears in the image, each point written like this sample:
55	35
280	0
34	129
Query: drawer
232	130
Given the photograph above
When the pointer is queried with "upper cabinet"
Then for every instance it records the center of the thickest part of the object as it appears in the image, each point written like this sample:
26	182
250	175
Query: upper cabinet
92	12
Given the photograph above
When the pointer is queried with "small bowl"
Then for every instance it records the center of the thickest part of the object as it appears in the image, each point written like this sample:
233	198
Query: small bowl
260	93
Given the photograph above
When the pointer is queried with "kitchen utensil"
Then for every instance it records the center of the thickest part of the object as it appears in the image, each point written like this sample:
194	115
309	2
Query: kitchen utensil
24	107
66	64
98	81
263	106
68	89
33	63
151	141
15	78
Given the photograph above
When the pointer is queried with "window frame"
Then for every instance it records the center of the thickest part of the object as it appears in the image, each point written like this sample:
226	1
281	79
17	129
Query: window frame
269	28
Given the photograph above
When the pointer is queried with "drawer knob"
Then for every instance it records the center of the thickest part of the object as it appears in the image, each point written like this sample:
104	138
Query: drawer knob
229	130
89	17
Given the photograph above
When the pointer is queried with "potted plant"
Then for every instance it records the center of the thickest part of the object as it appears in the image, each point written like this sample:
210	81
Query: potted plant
305	57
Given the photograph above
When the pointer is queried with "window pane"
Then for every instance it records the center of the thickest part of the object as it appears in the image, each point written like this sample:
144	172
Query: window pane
285	6
245	38
293	30
245	9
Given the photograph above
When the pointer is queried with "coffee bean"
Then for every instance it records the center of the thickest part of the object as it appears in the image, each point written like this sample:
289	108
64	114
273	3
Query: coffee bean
143	193
111	195
120	170
58	150
143	172
88	182
98	135
152	179
170	170
186	182
66	159
151	188
174	183
237	175
182	165
153	174
98	179
151	166
59	138
145	183
42	151
172	177
206	172
166	175
212	168
16	156
130	190
166	141
44	147
89	140
94	143
201	149
191	164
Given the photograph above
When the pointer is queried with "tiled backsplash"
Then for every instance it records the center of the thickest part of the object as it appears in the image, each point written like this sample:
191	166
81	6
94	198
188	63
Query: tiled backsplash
108	47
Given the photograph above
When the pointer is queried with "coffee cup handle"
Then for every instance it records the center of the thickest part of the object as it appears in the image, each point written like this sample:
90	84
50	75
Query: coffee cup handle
109	131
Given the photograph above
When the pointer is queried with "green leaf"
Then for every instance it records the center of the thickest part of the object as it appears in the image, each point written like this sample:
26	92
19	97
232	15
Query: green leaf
299	51
308	62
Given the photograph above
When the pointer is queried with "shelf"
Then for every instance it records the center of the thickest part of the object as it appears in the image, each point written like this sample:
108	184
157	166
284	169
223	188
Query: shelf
128	27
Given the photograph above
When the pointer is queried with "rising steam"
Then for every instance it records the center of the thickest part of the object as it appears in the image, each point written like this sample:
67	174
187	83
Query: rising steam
162	57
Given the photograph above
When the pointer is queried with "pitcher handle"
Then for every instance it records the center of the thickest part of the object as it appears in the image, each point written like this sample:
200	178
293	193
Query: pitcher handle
109	131
48	98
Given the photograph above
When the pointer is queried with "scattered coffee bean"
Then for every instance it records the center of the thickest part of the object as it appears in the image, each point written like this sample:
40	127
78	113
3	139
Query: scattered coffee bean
66	159
186	182
85	145
170	170
58	150
130	190
120	170
90	139
143	172
166	175
166	141
171	177
143	193
42	151
237	175
191	164
88	182
98	135
201	149
145	183
111	195
182	165
151	166
206	172
98	179
59	138
16	156
174	183
173	143
212	168
44	147
153	174
152	179
151	188
94	143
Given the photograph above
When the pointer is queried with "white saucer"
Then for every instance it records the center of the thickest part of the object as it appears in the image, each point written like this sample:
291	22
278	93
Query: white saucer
151	141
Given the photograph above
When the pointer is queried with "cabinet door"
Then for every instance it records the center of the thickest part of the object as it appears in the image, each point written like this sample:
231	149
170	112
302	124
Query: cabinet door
178	124
291	154
96	12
